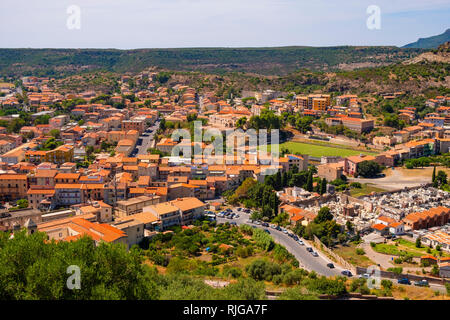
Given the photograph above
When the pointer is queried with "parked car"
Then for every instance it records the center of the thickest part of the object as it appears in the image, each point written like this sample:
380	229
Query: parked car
278	228
309	249
233	223
347	273
364	276
314	254
300	242
330	265
266	231
403	281
422	283
257	222
295	237
239	209
265	224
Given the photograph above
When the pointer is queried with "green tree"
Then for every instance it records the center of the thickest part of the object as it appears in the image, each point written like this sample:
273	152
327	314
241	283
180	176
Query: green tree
324	215
55	133
323	186
22	203
368	169
309	182
418	243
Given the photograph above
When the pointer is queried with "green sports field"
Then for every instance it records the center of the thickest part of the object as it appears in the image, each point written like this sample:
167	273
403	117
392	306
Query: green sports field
319	150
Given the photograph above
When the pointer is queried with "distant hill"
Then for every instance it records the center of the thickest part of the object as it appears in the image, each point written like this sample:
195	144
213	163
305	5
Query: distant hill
266	61
430	42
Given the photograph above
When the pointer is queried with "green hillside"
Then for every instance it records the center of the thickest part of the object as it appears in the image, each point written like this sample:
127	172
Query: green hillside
267	61
430	42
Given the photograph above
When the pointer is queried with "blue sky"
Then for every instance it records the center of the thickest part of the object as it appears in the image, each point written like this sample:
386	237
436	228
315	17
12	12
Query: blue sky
129	24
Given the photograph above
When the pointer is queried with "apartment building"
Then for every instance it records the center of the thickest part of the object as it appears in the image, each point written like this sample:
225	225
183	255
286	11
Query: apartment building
135	205
13	186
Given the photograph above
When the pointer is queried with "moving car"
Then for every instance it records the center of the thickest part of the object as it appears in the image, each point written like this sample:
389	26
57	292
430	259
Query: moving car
403	281
330	265
422	283
347	273
364	276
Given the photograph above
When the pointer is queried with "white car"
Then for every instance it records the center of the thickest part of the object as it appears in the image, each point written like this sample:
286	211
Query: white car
300	242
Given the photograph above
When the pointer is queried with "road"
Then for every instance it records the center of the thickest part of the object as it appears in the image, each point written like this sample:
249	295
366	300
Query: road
306	260
147	140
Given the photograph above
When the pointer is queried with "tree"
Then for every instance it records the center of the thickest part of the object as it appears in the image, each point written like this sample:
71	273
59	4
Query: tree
441	178
241	122
55	133
418	243
309	182
323	215
368	169
22	203
162	77
323	186
433	177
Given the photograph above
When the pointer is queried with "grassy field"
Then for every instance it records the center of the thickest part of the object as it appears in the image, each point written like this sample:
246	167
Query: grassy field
405	246
350	255
366	189
316	150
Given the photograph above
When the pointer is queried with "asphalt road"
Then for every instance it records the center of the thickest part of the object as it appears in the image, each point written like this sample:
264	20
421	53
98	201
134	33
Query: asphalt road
147	139
306	260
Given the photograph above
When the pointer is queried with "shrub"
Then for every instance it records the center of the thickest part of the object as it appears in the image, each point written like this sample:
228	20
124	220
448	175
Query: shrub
396	270
360	251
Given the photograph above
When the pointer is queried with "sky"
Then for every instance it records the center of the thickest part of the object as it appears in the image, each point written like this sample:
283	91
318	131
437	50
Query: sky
131	24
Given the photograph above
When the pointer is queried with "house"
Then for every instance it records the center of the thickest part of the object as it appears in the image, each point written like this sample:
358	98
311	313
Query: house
380	229
331	171
135	205
133	228
73	228
428	260
13	186
444	270
396	228
430	218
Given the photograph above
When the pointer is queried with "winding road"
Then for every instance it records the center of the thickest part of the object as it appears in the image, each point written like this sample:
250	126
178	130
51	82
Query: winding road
305	259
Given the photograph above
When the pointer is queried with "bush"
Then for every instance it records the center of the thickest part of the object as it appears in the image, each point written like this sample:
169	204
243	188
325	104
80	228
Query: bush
398	260
396	270
356	185
360	251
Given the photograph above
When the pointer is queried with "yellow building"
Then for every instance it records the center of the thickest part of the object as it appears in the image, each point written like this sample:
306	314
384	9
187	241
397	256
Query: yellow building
59	155
319	104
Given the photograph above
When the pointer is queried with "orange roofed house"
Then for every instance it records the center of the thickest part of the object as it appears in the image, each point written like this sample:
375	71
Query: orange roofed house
438	216
74	228
181	211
